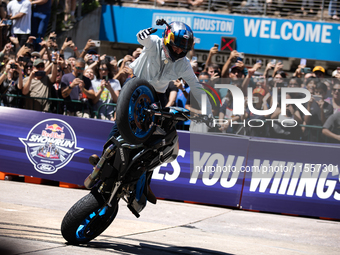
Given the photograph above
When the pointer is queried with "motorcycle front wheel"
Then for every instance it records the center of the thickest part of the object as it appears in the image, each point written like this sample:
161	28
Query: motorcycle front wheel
87	219
134	125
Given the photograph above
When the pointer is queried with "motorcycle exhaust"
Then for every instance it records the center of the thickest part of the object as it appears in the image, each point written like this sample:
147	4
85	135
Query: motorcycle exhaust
90	181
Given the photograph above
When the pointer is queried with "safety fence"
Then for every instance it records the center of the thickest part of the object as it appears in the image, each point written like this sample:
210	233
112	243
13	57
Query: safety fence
310	132
312	10
57	105
249	173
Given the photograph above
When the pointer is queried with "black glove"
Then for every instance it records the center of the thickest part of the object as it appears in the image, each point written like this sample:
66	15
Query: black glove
144	33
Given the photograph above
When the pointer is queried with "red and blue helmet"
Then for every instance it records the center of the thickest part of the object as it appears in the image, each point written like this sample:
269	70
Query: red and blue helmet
179	35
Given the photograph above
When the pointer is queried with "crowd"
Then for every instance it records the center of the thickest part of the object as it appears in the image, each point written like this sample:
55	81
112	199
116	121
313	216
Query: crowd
87	85
303	8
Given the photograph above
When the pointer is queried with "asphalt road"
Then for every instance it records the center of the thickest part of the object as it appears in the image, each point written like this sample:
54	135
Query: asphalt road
31	216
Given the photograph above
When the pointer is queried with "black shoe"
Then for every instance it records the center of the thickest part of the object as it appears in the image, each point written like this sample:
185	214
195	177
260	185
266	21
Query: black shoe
94	159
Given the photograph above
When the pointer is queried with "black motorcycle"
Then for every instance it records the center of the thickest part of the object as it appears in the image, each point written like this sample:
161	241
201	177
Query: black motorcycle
148	138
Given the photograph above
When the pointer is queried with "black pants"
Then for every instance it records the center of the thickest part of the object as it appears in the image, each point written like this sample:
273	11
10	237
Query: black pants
22	38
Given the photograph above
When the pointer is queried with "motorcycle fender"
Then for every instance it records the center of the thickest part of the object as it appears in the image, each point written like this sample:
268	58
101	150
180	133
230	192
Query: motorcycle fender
174	152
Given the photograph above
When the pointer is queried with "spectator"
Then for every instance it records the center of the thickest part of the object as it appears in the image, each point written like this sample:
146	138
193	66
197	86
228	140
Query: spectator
192	105
291	129
319	72
171	93
74	86
70	8
38	84
331	128
260	103
40	19
20	13
89	73
335	99
319	109
106	91
11	83
333	9
57	106
226	113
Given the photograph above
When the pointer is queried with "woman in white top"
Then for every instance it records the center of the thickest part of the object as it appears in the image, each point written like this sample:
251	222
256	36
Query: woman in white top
106	89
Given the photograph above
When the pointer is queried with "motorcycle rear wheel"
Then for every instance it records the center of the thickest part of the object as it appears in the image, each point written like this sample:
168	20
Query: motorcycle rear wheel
85	220
133	124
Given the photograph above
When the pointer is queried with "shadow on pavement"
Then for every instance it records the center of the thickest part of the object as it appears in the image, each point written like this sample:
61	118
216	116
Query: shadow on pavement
152	249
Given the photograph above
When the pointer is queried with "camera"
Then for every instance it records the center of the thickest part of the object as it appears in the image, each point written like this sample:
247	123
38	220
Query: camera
306	70
94	57
217	72
13	66
24	59
40	73
53	39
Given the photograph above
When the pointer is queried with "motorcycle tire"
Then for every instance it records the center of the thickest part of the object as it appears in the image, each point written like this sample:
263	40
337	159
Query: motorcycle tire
80	224
134	126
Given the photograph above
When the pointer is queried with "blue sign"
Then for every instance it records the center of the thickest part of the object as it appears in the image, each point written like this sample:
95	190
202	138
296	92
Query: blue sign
254	35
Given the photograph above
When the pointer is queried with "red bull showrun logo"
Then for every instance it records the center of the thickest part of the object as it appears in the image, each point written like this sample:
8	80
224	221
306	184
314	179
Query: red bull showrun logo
50	145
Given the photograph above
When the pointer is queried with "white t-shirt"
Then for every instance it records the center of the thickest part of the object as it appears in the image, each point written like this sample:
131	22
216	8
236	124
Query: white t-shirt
22	25
105	96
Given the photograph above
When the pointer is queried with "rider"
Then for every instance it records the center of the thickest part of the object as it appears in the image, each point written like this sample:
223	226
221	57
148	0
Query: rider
162	60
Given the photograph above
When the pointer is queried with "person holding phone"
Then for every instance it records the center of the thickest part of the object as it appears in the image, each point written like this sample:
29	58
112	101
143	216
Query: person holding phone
38	84
320	110
106	90
76	86
11	82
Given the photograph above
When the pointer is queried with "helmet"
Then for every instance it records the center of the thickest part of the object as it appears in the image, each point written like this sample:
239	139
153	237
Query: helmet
179	35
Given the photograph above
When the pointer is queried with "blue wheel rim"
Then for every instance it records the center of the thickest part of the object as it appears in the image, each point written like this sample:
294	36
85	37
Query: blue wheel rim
83	232
140	124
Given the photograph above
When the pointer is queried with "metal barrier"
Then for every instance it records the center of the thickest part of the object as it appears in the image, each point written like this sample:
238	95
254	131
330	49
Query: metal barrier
311	133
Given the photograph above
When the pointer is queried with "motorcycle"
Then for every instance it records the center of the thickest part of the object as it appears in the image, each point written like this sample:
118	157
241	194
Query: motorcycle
148	138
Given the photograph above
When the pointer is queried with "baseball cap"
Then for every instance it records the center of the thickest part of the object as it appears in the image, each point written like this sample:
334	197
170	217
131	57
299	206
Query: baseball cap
38	61
319	68
260	91
35	54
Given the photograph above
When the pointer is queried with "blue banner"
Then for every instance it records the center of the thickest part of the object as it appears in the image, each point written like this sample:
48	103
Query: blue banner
250	173
254	35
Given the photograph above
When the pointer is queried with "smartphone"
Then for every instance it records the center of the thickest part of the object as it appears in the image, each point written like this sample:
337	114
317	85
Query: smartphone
80	76
96	43
317	97
94	57
259	61
7	22
194	58
106	77
53	56
240	57
303	61
29	45
216	45
305	70
40	73
13	66
69	39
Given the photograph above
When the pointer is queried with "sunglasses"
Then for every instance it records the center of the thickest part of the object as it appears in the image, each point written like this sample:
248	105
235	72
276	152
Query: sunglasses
40	66
59	70
103	69
80	68
204	80
336	90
